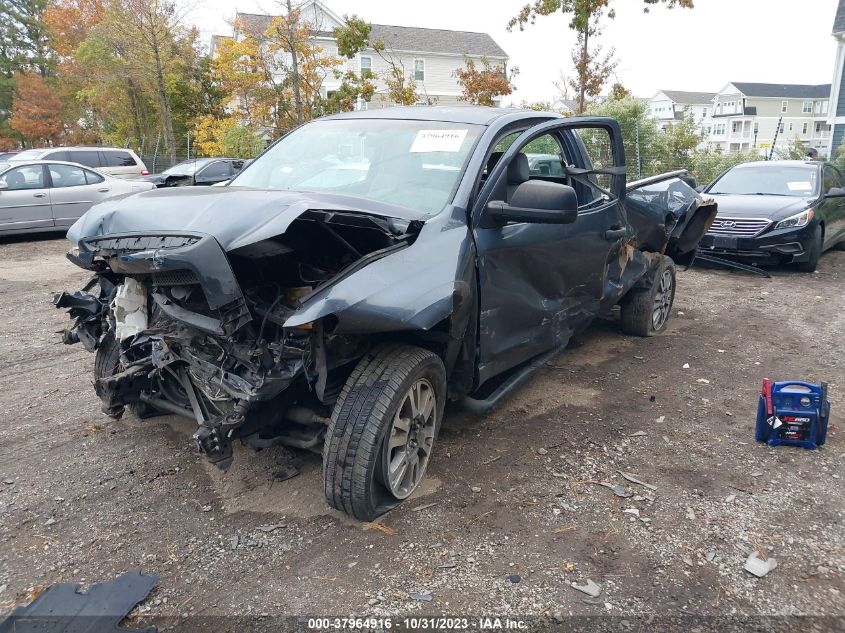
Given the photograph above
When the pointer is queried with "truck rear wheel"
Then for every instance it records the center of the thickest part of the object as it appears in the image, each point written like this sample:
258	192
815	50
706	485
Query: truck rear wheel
646	311
379	442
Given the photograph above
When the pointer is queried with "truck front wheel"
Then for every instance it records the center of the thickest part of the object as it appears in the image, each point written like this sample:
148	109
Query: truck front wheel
382	430
645	311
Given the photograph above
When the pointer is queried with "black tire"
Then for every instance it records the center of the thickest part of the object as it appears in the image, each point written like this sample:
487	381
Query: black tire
813	253
107	363
355	447
639	306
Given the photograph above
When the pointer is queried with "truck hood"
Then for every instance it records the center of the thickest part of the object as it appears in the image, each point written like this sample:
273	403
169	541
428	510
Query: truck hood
762	206
234	216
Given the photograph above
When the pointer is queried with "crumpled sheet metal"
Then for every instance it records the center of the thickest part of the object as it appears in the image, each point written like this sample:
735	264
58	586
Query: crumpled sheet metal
63	609
403	291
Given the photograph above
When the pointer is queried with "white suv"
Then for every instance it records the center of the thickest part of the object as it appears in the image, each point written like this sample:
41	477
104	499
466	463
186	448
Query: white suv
114	161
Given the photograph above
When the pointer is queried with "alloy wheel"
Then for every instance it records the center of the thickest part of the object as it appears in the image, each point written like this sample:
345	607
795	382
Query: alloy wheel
410	439
662	300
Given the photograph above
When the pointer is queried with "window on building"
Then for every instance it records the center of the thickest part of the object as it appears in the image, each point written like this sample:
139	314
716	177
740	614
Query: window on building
719	129
790	127
366	64
784	105
805	127
818	107
780	129
736	126
704	113
818	127
824	107
807	107
419	70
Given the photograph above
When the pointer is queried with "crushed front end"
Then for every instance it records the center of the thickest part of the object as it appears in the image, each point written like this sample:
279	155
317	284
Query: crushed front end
180	326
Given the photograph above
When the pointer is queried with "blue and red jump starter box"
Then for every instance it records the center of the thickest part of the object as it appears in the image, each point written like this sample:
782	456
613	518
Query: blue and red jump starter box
792	413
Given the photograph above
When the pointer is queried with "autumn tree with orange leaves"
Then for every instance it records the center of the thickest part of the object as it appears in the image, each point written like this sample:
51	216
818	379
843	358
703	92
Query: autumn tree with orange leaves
481	86
36	110
593	67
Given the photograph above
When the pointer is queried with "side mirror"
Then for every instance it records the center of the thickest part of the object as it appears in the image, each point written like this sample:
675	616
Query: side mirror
835	192
536	202
3	185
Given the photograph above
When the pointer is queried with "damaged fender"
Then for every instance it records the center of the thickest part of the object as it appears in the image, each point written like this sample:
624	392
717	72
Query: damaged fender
402	291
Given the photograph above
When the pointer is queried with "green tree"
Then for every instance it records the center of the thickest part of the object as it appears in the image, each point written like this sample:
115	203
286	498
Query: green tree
240	142
680	142
706	164
24	48
640	136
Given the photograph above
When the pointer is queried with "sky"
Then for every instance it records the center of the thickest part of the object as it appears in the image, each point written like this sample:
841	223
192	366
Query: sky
702	49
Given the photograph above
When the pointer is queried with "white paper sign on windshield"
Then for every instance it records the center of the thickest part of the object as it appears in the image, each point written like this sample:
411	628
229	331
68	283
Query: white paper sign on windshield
801	185
438	141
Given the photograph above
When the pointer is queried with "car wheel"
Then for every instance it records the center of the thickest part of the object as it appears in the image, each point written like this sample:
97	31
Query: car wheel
813	252
646	311
382	431
107	363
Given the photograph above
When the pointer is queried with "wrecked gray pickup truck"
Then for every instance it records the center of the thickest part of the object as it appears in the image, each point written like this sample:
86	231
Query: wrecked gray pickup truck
364	270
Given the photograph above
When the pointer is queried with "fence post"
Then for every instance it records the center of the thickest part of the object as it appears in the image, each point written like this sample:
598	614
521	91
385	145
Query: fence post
637	148
155	152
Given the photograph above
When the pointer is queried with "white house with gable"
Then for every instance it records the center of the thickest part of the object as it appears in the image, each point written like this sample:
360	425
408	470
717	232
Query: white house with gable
430	56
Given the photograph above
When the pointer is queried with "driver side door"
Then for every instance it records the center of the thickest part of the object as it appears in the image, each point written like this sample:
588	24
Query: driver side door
539	283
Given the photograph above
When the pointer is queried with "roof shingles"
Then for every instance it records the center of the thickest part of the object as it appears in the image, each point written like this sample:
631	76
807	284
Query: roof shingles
839	20
783	91
407	38
697	98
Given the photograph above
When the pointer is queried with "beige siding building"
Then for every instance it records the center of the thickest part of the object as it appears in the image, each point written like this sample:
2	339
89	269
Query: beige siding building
760	116
429	56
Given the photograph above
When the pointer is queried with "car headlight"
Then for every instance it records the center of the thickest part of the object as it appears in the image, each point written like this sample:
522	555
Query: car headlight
796	221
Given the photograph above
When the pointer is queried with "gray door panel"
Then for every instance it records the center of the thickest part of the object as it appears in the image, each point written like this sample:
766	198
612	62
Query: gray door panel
26	203
71	196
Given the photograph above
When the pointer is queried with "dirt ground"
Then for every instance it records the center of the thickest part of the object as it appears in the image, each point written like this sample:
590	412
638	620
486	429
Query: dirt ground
510	496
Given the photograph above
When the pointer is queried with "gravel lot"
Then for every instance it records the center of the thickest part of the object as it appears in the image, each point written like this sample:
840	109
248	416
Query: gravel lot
84	498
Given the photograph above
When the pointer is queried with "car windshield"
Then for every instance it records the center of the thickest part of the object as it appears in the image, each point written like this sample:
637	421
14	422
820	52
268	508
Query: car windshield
30	154
768	180
185	168
415	164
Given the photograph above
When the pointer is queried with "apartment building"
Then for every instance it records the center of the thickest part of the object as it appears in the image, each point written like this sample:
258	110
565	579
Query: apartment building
759	116
668	106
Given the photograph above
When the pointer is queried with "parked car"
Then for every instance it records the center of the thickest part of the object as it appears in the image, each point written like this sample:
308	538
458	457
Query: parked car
49	195
340	315
777	212
198	171
6	156
114	161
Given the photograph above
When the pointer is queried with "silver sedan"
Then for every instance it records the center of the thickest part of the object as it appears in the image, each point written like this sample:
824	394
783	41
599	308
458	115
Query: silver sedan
47	195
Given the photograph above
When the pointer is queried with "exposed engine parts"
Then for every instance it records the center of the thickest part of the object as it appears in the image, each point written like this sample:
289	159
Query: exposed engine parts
163	346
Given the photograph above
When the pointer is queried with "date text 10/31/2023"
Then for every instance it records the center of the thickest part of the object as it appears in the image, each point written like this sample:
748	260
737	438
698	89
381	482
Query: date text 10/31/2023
421	623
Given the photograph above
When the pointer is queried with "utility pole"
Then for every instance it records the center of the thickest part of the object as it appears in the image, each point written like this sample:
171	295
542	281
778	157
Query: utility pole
775	139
